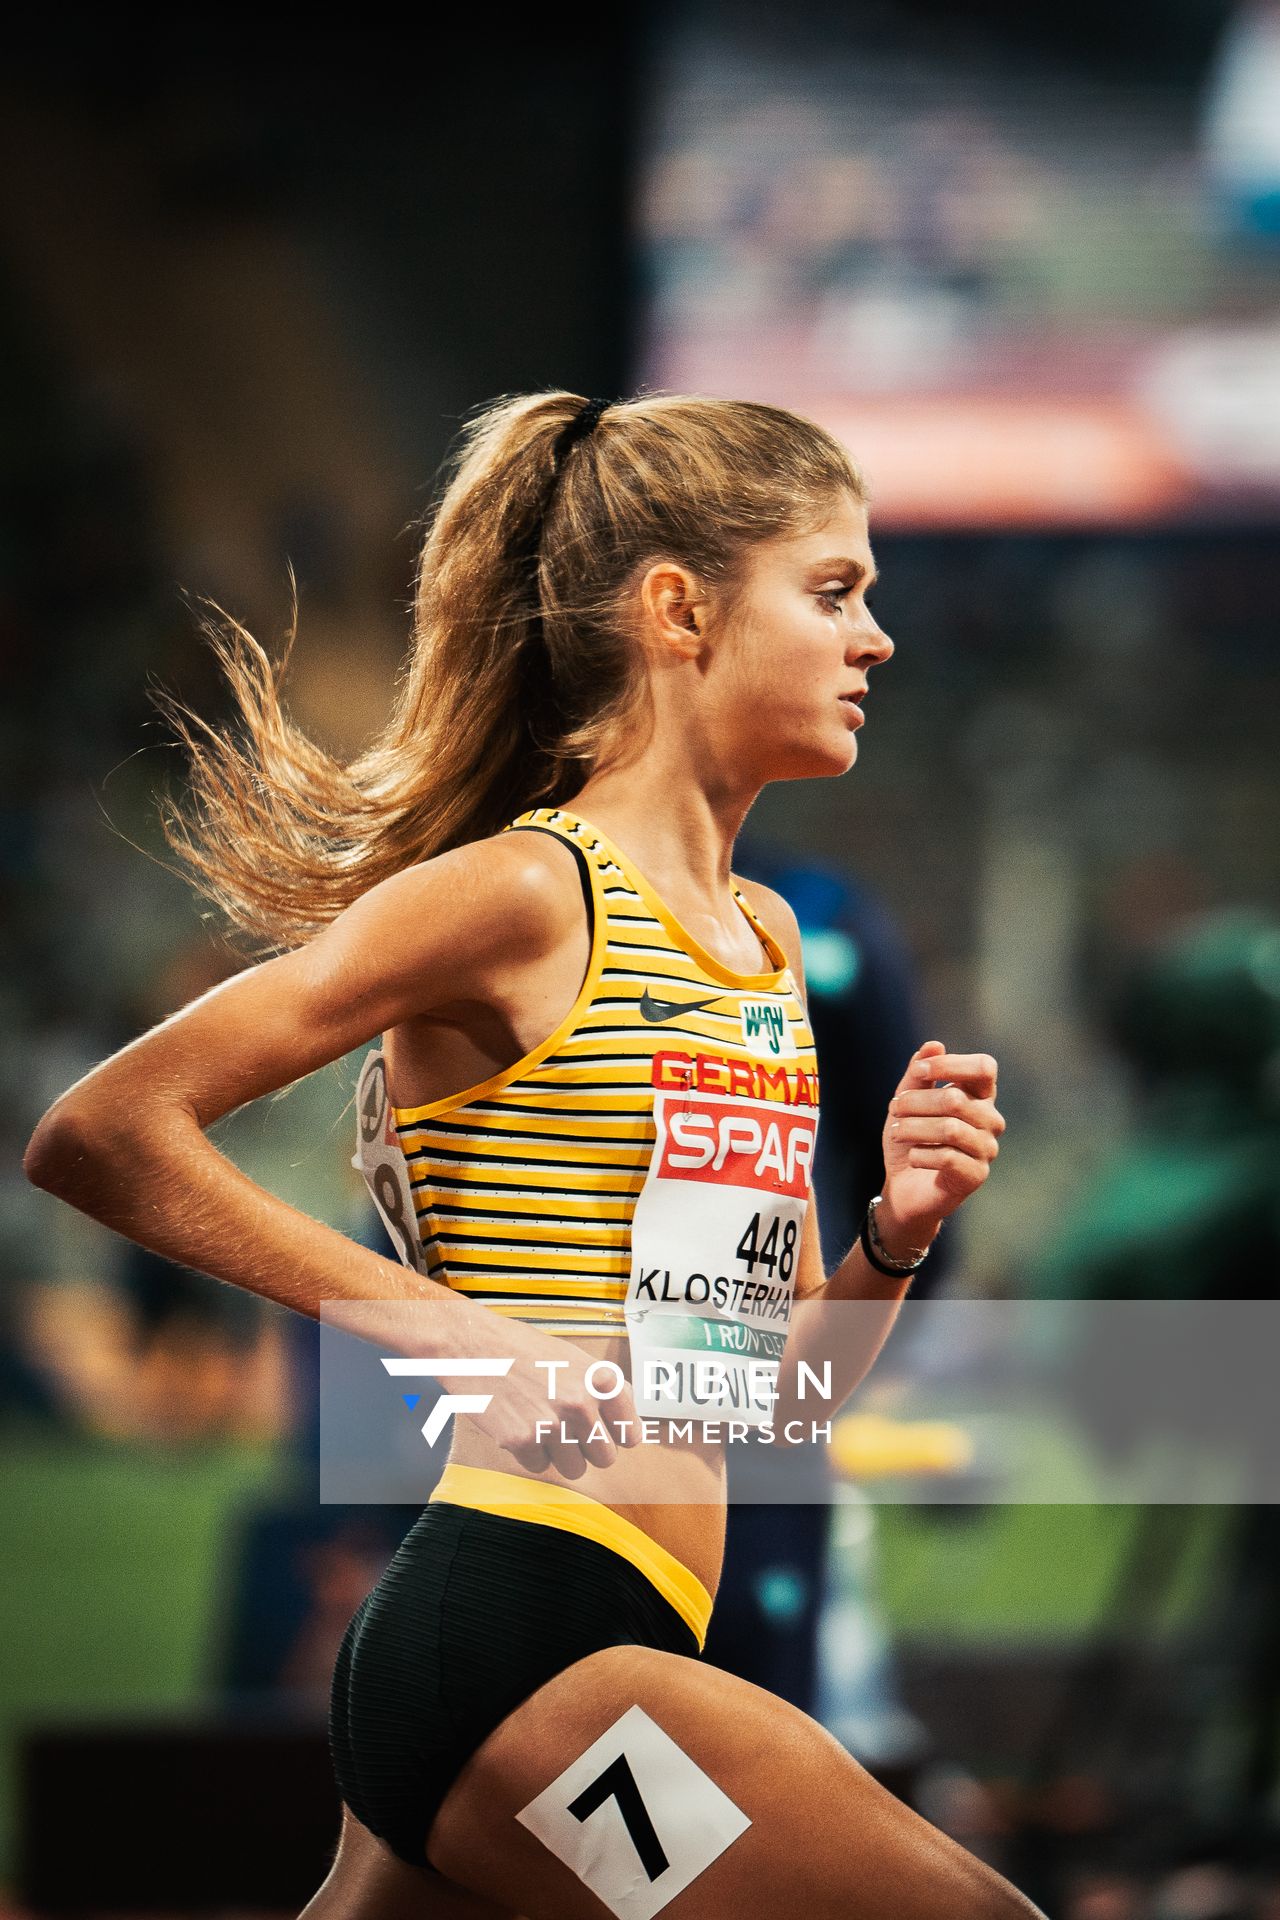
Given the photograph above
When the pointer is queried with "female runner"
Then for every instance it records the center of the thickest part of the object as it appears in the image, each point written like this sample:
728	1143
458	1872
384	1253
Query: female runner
630	616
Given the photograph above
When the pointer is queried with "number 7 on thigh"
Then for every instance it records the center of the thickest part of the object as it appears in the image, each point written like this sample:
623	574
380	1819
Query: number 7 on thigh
638	1782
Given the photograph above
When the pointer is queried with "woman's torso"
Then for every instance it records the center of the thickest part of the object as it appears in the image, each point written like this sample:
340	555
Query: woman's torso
525	1185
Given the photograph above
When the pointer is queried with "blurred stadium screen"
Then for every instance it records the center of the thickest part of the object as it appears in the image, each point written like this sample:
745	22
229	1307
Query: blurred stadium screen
1026	294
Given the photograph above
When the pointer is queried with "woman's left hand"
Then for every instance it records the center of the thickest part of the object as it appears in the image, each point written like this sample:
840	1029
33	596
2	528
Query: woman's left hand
939	1141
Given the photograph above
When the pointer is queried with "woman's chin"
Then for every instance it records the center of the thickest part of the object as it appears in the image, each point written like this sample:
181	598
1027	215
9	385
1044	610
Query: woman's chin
817	763
834	759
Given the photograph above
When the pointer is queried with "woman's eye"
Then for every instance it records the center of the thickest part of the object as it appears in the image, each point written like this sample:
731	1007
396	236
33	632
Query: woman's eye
832	596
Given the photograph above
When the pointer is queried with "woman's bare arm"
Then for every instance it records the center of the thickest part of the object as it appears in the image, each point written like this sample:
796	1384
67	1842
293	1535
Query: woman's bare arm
126	1144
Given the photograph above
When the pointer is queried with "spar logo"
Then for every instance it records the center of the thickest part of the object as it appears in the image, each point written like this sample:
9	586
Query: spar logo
735	1143
449	1403
766	1029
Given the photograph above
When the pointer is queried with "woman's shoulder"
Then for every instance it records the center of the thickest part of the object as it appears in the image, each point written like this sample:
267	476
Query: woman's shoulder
445	929
512	888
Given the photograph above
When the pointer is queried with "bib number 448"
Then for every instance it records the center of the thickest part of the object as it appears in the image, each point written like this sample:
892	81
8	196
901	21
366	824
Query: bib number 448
776	1252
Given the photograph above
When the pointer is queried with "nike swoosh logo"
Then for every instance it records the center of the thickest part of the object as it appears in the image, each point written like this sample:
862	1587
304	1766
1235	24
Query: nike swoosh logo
656	1011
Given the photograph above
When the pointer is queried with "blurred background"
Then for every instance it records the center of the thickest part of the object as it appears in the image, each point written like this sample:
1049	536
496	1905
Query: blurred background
1029	269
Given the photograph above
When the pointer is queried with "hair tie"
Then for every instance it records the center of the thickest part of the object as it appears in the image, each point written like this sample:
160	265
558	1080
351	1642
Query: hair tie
538	688
583	423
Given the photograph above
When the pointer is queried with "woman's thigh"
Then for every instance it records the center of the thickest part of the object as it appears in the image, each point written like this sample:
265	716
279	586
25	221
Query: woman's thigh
369	1882
656	1816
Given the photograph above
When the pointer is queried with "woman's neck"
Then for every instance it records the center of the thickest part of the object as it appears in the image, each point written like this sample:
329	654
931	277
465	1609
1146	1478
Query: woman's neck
680	835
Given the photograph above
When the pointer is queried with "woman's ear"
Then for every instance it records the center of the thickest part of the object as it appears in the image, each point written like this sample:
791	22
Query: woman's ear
674	608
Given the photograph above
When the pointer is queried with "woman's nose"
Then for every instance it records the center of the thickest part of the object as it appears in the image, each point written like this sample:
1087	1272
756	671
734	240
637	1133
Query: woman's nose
874	645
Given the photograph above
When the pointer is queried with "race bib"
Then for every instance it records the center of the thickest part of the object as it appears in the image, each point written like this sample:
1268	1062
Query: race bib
714	1245
380	1158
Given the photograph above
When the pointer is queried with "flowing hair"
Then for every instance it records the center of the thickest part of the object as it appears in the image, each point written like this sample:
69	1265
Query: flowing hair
522	665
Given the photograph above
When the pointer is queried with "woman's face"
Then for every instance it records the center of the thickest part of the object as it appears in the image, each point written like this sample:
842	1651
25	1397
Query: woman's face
793	663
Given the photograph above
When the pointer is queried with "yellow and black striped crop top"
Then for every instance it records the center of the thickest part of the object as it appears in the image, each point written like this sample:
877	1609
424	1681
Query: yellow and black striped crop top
525	1186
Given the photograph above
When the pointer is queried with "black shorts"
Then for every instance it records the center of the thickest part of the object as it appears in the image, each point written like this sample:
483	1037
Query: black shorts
487	1598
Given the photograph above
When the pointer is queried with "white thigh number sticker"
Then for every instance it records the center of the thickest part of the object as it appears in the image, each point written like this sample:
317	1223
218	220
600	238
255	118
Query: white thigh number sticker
635	1818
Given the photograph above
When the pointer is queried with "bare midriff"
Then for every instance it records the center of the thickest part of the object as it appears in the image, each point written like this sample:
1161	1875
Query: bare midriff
673	1490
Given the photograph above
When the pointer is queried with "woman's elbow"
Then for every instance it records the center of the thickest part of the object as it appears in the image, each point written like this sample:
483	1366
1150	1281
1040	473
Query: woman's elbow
59	1148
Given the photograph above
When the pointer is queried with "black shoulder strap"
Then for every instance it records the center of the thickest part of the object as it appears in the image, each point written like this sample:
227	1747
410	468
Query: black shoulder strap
584	872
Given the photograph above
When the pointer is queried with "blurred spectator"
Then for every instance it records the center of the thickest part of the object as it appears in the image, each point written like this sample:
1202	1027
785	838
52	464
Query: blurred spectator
1189	1208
